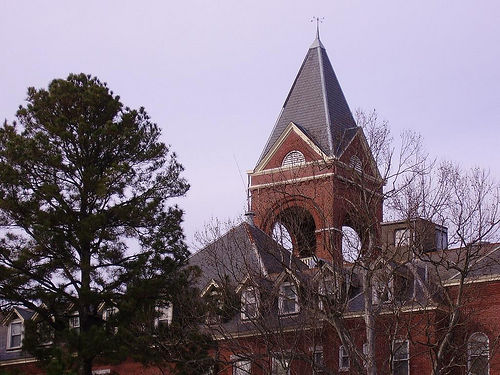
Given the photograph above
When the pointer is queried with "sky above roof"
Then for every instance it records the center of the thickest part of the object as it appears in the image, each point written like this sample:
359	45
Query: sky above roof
214	74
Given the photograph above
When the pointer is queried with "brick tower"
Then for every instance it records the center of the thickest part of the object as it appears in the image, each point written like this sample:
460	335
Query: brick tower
315	154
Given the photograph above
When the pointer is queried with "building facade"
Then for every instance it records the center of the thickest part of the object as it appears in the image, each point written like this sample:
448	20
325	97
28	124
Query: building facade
315	282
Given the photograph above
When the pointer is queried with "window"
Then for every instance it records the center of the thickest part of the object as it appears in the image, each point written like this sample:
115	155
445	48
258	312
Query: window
249	303
478	354
280	365
242	366
216	305
293	158
402	237
326	289
164	314
74	322
401	357
318	361
109	312
344	362
381	291
288	299
15	335
403	288
441	239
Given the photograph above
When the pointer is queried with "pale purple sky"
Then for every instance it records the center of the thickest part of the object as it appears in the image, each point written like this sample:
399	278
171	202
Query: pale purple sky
214	74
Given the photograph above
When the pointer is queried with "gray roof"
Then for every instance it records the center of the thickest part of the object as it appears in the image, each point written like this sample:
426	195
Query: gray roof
317	105
25	313
484	260
243	250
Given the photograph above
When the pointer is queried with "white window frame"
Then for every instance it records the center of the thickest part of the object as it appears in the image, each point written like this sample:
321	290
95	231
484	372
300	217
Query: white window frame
249	295
108	312
165	315
241	365
402	237
343	353
71	322
318	350
282	298
278	360
9	334
395	344
470	355
293	158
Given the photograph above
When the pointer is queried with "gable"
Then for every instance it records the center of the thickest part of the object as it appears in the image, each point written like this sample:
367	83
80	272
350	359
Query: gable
292	139
358	147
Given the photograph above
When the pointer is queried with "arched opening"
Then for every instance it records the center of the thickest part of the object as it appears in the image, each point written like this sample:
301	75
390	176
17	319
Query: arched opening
351	244
295	229
282	236
478	354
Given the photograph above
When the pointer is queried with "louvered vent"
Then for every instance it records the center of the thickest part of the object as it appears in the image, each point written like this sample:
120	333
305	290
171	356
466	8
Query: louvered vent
293	158
356	164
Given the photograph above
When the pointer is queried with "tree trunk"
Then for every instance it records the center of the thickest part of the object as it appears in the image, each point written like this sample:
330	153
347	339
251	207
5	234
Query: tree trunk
371	368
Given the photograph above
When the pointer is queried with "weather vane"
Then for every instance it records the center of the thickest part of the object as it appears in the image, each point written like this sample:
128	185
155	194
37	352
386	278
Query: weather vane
318	21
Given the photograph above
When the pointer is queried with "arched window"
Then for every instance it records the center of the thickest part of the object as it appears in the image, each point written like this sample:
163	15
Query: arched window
293	158
478	354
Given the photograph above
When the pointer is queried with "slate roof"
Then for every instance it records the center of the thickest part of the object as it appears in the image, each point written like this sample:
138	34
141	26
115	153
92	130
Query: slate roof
317	105
484	258
25	313
243	250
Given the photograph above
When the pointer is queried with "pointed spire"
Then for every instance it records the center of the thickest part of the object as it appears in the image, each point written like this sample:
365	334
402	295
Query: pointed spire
317	105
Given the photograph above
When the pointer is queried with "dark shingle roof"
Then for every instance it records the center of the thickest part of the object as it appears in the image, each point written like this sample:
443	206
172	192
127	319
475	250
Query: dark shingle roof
25	313
317	105
484	260
243	250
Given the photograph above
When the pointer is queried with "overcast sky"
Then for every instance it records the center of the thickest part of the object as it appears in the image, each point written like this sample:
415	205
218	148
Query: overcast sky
214	74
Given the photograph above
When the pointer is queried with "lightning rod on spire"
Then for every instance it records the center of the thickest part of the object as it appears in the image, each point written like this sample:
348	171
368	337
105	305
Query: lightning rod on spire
318	21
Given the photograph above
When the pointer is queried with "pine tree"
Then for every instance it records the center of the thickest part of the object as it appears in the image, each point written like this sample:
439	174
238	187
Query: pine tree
84	190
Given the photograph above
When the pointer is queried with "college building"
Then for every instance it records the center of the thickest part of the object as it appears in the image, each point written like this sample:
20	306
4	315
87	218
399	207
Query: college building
314	281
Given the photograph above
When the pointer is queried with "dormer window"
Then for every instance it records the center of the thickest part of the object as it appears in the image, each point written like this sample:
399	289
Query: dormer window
288	302
249	303
74	322
108	313
402	237
293	158
165	315
216	304
325	290
15	336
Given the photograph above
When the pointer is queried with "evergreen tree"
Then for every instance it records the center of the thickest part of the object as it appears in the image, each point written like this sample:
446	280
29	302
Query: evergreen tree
84	190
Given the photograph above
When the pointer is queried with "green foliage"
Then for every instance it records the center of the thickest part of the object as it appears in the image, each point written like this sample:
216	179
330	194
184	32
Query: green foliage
84	187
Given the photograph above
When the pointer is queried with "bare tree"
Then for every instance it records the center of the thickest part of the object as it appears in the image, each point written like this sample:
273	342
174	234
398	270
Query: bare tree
362	282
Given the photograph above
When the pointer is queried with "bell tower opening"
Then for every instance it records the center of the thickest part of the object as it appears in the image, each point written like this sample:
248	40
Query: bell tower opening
295	230
351	244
